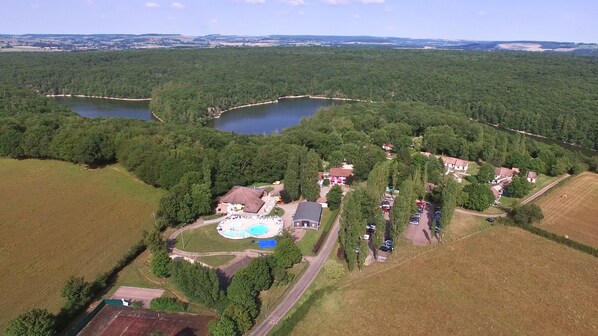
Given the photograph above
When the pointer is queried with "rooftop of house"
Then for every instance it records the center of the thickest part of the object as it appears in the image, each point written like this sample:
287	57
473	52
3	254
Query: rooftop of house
251	198
454	161
340	172
506	172
311	211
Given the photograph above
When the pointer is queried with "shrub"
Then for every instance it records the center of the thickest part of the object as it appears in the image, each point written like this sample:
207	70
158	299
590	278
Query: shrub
168	304
36	322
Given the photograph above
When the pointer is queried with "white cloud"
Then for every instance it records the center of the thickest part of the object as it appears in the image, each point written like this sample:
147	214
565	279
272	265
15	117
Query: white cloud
152	5
301	13
366	2
34	6
177	5
294	2
357	16
481	12
337	2
255	1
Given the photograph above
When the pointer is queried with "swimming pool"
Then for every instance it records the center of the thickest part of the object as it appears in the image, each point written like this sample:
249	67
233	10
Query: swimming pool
240	227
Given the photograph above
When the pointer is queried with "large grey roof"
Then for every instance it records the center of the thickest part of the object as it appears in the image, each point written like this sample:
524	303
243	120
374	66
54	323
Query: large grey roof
308	211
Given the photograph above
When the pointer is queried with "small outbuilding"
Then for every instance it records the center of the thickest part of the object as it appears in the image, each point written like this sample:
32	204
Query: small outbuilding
308	216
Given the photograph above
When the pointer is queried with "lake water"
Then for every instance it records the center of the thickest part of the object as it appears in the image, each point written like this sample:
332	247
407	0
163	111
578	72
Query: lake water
97	108
269	118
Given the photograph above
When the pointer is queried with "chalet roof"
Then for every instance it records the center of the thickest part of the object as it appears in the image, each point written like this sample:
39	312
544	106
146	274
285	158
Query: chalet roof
532	175
340	172
454	161
506	172
249	197
309	211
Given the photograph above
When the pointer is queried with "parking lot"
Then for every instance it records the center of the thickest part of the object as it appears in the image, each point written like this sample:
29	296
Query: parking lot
420	235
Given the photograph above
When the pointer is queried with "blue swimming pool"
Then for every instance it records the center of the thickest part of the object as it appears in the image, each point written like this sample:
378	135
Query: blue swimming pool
254	230
258	229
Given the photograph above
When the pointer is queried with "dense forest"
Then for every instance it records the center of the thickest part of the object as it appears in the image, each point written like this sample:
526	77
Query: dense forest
181	157
548	94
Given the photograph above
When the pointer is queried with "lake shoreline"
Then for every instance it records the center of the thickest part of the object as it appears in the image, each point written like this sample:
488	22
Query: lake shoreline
97	97
275	101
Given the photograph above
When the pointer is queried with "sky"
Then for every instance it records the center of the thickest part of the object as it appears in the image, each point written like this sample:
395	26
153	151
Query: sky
547	20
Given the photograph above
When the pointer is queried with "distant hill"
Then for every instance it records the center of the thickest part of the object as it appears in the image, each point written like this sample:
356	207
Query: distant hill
74	42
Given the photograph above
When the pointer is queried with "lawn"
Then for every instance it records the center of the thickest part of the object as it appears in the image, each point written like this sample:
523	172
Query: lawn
58	220
217	260
571	209
207	239
310	238
500	281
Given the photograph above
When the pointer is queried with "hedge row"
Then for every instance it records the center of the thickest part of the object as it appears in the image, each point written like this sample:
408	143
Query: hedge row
559	239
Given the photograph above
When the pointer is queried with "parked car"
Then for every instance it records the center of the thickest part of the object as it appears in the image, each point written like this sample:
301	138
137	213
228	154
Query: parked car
366	236
386	248
388	242
490	220
414	221
385	205
416	215
371	227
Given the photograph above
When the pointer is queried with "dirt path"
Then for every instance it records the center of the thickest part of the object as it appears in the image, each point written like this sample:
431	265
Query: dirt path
315	265
545	189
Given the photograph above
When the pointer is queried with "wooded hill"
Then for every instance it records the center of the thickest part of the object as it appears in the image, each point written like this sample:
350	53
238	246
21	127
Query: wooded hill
549	94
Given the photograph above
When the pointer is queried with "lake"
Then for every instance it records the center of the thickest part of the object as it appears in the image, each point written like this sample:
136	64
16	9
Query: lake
269	118
97	108
259	119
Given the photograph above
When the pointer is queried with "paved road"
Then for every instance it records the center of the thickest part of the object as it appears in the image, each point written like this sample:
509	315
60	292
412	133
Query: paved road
315	265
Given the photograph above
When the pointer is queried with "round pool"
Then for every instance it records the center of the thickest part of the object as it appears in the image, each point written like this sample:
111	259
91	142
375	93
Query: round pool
240	227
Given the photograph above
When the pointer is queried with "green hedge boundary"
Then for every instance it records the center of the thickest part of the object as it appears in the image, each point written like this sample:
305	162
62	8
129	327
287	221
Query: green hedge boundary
559	239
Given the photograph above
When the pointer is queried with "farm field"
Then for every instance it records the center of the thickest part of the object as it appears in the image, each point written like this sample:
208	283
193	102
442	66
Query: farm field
500	281
58	220
571	209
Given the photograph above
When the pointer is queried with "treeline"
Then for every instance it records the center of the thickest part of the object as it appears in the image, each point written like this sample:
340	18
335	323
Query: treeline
547	94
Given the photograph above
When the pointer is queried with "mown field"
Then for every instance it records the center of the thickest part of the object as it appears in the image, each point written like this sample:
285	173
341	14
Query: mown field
501	281
572	209
58	219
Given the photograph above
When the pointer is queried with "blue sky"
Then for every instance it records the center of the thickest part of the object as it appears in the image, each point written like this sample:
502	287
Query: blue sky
556	20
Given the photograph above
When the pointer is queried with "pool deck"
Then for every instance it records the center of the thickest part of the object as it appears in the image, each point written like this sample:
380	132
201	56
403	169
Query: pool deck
239	226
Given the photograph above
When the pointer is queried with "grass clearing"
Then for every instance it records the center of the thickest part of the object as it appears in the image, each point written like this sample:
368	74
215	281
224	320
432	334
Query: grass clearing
310	238
207	239
571	209
217	260
58	220
139	274
502	281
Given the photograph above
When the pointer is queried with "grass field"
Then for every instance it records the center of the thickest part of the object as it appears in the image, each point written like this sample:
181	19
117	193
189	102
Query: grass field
207	239
57	220
500	281
217	260
572	209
